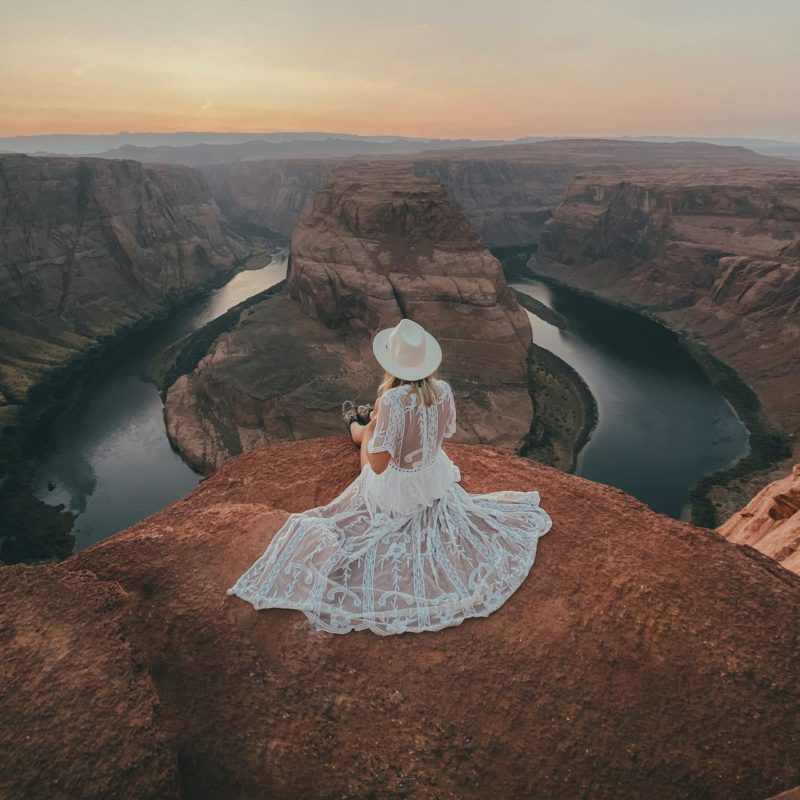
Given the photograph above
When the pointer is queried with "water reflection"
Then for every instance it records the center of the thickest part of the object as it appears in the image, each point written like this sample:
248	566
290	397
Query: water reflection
661	424
112	464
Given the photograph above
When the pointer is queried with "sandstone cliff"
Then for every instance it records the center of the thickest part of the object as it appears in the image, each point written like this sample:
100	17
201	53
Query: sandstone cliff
377	244
714	253
642	658
268	194
90	247
507	192
510	192
770	522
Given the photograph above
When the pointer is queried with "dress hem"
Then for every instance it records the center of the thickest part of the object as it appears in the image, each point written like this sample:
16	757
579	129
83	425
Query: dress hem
318	625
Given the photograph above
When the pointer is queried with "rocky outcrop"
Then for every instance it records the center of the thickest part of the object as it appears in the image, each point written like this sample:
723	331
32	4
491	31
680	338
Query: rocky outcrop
713	253
89	248
374	246
770	522
642	657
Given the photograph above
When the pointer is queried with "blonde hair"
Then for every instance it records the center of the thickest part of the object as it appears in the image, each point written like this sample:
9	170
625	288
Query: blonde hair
426	389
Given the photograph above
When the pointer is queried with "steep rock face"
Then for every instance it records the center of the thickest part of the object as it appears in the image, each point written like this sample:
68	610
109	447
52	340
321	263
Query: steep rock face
715	253
642	657
269	194
509	192
661	234
90	247
770	522
374	246
507	201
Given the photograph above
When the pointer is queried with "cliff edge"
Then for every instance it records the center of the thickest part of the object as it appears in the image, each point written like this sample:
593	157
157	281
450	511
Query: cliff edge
642	657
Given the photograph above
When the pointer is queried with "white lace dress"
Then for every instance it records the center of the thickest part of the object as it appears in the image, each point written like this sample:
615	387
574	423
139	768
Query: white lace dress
407	550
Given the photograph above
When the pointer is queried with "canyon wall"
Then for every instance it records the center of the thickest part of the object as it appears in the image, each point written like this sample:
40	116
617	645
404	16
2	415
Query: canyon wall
507	192
642	658
269	194
507	201
90	247
374	246
714	253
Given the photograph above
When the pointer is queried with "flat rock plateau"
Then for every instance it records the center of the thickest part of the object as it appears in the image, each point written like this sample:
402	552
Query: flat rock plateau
642	657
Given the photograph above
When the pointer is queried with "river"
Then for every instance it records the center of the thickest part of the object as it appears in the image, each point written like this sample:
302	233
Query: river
661	424
112	464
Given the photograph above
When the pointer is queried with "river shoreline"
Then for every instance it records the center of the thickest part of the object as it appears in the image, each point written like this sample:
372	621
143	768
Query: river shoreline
768	446
558	392
564	409
32	530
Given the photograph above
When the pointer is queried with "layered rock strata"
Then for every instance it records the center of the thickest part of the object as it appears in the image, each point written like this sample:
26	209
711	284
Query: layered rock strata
267	194
373	247
770	522
642	657
90	247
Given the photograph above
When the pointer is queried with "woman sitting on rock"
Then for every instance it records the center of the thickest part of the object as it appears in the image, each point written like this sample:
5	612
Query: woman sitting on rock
404	548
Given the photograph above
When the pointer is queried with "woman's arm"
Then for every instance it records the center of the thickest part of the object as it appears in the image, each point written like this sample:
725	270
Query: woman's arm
379	462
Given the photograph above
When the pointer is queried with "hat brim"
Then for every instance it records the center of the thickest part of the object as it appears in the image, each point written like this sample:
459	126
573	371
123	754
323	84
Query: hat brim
433	357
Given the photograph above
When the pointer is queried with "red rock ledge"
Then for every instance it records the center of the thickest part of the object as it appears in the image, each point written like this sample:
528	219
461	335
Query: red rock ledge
643	657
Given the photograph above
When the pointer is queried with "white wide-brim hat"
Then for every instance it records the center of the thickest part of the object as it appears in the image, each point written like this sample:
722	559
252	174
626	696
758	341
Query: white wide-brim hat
407	351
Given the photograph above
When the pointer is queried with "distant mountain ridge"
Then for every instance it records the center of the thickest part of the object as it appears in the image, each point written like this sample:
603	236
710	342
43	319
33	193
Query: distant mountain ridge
94	144
113	145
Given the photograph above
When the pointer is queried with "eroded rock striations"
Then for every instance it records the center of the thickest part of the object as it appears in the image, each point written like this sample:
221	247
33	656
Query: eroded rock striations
268	194
90	247
642	657
715	254
770	522
375	245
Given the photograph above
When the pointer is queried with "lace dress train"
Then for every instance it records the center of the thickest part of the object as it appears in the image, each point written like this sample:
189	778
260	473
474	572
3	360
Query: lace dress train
407	550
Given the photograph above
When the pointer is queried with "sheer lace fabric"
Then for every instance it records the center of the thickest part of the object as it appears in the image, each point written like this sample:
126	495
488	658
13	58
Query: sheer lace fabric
408	550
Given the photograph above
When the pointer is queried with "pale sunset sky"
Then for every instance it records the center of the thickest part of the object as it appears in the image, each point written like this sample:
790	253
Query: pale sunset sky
444	68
